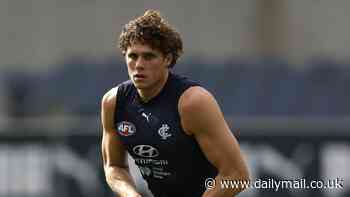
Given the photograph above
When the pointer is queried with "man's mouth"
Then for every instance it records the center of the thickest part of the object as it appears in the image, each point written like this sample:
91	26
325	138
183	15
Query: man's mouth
139	76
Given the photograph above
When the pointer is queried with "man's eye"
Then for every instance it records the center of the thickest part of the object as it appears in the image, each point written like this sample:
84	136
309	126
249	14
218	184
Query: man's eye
149	56
132	56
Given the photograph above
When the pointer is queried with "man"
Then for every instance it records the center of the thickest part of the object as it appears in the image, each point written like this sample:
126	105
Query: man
171	126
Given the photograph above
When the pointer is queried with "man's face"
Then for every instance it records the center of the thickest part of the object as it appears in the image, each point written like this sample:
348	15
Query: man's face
146	66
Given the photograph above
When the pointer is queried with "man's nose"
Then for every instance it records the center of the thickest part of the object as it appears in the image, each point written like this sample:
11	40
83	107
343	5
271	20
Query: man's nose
140	63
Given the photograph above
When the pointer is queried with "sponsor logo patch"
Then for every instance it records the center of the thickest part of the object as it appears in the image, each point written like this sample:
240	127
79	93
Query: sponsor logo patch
163	131
126	128
145	151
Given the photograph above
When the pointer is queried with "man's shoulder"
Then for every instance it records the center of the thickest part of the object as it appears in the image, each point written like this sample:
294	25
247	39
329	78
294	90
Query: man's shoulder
125	87
195	97
195	100
109	98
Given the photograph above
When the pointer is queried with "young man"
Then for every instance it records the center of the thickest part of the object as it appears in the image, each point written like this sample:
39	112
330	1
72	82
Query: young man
171	126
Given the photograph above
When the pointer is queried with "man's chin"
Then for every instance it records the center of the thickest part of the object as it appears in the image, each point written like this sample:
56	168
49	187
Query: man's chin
140	85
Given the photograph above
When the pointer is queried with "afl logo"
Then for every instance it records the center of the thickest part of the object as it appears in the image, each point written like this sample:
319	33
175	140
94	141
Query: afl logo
126	128
145	151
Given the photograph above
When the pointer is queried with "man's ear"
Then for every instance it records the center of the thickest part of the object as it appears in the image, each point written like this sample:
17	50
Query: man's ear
169	59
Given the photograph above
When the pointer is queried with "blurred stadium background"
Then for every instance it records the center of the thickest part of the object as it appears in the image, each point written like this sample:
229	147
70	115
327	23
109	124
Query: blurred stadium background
280	70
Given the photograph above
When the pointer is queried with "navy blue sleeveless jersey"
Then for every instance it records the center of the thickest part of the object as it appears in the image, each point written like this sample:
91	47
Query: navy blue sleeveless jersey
169	160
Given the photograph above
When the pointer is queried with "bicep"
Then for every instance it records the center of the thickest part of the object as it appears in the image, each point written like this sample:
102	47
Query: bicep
113	151
219	146
211	131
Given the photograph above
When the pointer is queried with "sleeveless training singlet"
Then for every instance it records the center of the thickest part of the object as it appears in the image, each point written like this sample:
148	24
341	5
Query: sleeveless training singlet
169	160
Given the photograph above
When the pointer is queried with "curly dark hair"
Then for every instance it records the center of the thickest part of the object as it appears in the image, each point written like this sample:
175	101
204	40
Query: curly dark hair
153	30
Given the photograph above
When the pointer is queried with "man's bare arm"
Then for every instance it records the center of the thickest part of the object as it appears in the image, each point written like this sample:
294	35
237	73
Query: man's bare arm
114	155
202	117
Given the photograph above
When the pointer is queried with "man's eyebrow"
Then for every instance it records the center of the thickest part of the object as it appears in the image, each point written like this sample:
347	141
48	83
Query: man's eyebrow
132	53
148	53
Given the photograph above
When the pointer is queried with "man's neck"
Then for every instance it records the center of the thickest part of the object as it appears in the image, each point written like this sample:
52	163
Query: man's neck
147	94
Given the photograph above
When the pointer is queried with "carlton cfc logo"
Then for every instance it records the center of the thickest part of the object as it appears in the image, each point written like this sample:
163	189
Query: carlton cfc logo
126	128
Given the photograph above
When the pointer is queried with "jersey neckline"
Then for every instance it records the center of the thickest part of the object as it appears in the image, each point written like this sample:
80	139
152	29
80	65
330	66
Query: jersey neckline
153	99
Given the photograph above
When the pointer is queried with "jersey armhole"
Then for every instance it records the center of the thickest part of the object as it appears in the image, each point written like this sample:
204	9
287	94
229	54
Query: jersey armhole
118	99
178	105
